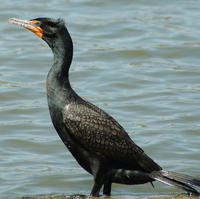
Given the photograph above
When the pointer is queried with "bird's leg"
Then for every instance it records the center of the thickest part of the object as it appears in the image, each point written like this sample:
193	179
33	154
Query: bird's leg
96	189
99	180
108	183
107	188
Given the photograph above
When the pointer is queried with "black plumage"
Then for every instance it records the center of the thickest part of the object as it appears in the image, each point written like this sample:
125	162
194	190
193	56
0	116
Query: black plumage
96	140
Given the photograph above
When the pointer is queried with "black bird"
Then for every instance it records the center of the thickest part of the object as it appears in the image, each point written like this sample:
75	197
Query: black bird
96	140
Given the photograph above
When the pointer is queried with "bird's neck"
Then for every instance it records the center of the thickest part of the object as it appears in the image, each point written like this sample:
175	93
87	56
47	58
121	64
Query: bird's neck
62	49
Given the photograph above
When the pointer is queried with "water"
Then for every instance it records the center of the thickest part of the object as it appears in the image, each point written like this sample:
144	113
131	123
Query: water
137	60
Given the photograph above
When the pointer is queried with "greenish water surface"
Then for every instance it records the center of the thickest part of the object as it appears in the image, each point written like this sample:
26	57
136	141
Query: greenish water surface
138	60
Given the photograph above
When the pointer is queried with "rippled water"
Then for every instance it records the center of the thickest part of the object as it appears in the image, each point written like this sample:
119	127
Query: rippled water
138	60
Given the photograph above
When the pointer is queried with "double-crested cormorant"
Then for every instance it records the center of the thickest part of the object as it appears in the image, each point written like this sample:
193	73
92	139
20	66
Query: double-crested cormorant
96	140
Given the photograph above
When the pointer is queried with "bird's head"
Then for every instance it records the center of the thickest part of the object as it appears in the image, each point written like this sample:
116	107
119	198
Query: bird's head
46	28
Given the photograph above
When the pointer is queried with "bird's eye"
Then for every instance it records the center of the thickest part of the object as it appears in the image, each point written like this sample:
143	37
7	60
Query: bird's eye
37	23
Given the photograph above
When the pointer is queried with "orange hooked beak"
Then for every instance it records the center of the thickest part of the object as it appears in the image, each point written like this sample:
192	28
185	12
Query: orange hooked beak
32	25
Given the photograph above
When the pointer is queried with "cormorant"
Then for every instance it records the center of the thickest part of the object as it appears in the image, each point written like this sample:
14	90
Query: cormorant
95	139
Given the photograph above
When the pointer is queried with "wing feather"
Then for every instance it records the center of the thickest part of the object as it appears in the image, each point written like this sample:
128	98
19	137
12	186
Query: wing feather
102	135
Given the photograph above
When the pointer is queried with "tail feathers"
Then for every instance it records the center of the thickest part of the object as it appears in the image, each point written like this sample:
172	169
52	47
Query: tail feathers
181	181
181	178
